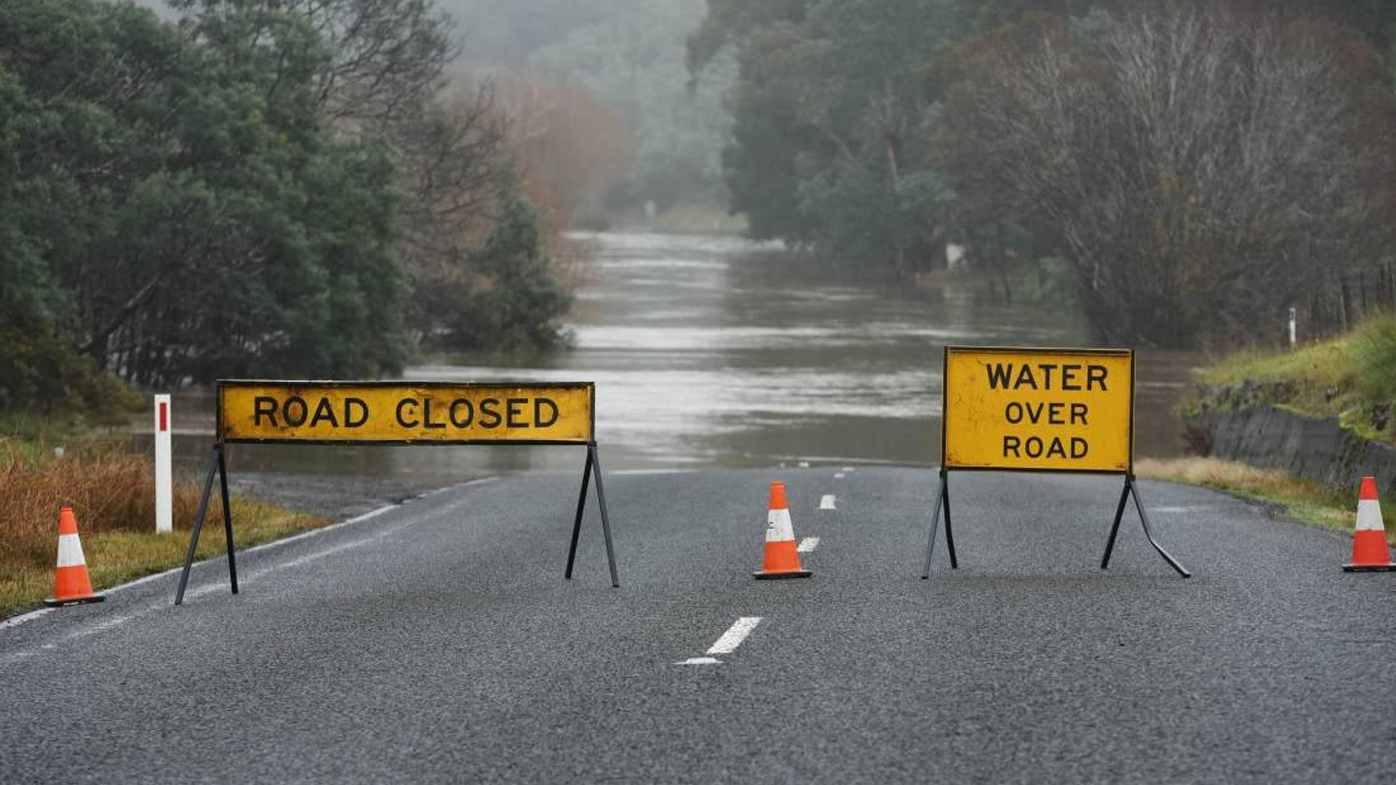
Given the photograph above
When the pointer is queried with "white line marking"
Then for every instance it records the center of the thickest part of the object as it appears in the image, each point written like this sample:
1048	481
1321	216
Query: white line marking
106	625
310	557
826	502
803	464
15	621
848	468
838	475
30	616
646	472
700	661
735	634
808	544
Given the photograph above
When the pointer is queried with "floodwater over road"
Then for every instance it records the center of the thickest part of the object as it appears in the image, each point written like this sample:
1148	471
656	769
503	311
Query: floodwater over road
710	351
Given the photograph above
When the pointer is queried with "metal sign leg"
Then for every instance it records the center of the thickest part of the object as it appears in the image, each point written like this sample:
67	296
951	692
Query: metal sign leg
593	466
228	520
605	517
1131	490
942	502
198	523
1115	528
577	524
949	532
1144	519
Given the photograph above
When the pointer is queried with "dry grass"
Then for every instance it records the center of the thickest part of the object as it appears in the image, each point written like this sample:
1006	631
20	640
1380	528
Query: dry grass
112	493
1305	501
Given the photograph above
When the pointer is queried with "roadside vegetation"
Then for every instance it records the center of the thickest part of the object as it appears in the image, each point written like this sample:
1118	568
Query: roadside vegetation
112	494
294	188
1302	500
302	188
1198	166
1351	377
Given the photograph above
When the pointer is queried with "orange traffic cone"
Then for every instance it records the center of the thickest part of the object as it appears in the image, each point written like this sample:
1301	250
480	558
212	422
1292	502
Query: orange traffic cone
71	584
1369	551
782	556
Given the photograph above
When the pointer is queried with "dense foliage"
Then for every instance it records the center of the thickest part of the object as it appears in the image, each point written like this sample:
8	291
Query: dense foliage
1203	166
1196	165
264	188
831	144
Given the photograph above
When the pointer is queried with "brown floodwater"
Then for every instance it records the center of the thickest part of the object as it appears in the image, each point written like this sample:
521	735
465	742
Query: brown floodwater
712	351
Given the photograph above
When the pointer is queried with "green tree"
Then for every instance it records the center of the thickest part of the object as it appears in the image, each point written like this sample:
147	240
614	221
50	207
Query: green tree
376	71
511	297
27	295
184	192
830	145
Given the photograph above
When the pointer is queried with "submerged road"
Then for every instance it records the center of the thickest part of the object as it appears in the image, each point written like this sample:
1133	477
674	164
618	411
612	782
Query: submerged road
438	642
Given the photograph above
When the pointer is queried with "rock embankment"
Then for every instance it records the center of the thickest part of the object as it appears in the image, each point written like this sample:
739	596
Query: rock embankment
1244	425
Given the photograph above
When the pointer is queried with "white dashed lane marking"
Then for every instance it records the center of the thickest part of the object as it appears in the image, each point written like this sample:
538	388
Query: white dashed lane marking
728	643
826	502
808	544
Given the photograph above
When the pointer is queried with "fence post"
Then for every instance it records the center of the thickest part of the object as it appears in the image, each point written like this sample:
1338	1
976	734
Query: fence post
1344	303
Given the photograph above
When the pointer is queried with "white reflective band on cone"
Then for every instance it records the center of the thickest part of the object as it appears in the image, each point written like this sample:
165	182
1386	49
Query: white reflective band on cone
70	551
778	526
1369	515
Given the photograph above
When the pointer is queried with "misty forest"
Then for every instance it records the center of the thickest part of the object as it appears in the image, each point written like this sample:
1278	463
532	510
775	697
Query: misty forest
196	189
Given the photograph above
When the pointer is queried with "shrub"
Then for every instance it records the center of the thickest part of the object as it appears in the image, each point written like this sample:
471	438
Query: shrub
1373	352
41	373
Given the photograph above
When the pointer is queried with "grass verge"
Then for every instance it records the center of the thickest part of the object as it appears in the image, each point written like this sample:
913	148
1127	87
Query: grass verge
1302	500
112	494
1352	377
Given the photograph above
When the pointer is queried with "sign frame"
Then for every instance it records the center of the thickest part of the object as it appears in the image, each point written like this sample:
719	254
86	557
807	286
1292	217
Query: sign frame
218	461
590	387
1130	489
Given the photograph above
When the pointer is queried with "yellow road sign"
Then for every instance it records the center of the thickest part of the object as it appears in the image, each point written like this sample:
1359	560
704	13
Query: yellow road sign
405	412
1039	409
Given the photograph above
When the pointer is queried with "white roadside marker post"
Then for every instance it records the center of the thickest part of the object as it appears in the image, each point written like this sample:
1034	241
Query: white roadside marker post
164	499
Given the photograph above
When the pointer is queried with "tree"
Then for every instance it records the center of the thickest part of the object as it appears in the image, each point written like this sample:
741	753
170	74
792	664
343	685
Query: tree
28	297
830	145
1202	165
382	74
567	145
185	195
513	297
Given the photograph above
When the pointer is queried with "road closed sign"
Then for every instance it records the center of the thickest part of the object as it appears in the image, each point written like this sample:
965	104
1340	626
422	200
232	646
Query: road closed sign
1039	409
334	412
404	413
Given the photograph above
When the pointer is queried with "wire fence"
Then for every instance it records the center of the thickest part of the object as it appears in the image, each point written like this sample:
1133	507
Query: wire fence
1341	303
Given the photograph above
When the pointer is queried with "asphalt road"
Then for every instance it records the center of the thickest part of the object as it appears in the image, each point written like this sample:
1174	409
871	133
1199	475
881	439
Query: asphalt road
438	642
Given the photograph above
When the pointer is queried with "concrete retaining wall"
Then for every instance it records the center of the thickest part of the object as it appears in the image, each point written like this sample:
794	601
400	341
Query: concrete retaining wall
1310	447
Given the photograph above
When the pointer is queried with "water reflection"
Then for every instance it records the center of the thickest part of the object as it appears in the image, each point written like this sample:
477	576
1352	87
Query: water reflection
718	352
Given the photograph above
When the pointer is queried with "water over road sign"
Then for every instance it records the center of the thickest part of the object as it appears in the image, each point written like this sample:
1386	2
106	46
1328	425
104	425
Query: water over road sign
1054	410
1039	409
